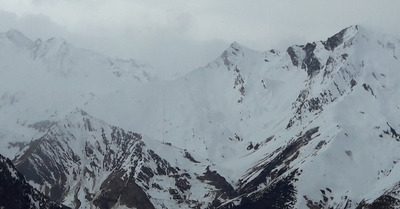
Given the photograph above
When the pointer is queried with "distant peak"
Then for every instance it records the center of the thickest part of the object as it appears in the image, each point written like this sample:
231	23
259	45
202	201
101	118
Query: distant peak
13	32
237	46
352	28
351	31
18	38
234	48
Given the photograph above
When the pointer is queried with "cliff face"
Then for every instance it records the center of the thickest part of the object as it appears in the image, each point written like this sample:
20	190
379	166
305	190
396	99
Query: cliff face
15	192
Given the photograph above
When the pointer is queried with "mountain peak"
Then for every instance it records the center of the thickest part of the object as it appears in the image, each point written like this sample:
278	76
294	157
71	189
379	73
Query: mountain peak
236	45
337	39
231	55
18	38
235	48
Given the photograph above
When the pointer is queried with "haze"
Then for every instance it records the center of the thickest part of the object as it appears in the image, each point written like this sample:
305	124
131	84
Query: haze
179	36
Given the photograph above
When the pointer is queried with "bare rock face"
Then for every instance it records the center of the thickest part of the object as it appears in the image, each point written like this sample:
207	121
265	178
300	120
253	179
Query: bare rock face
15	192
115	188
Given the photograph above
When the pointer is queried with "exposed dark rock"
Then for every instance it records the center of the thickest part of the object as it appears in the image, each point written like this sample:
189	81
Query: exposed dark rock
189	156
304	103
281	194
15	192
37	169
368	88
237	138
320	144
225	190
269	138
383	202
353	83
163	167
146	174
388	200
42	125
328	69
124	189
263	83
393	132
314	104
173	191
225	59
293	56
175	195
239	82
335	40
157	186
242	91
87	124
182	184
290	123
284	157
250	146
310	62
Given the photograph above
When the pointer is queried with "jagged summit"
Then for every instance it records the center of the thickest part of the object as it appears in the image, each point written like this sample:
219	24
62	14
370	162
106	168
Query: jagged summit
301	55
354	40
236	49
331	43
238	46
344	35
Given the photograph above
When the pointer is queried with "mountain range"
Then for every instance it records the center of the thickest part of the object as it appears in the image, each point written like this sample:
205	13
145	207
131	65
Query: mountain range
315	126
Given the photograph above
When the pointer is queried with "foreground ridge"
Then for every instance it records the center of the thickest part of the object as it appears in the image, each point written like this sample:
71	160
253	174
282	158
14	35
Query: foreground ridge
17	193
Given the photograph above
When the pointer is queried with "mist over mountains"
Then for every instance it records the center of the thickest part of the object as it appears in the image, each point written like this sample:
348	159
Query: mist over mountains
315	126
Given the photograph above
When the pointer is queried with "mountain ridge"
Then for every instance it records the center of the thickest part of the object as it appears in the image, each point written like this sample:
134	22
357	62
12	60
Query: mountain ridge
301	128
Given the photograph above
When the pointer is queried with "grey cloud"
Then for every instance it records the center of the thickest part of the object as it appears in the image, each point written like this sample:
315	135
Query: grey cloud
33	26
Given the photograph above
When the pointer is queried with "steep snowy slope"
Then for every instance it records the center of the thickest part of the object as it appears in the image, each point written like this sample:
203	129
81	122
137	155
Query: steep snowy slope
246	95
343	139
315	126
85	163
15	192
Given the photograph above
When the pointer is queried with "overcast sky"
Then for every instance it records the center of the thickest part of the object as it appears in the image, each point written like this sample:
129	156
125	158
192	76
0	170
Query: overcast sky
181	35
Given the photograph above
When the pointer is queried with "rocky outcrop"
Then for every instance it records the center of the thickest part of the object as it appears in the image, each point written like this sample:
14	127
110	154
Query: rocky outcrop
15	192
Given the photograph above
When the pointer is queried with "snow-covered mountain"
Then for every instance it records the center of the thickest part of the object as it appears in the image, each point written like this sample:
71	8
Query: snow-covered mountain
41	81
83	162
315	126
